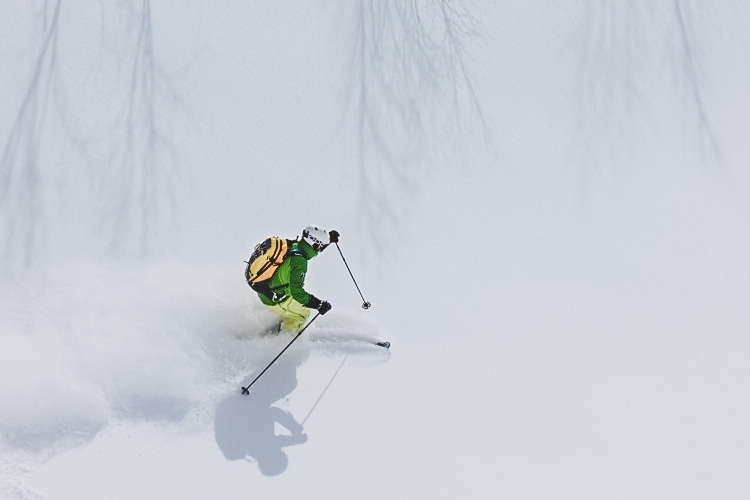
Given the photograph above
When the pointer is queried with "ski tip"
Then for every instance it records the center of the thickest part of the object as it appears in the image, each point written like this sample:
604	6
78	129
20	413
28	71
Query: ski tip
387	345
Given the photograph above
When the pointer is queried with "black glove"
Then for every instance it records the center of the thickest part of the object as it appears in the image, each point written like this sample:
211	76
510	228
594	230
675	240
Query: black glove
324	307
313	303
334	236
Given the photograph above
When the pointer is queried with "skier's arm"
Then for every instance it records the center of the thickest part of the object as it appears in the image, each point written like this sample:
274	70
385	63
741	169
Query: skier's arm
297	271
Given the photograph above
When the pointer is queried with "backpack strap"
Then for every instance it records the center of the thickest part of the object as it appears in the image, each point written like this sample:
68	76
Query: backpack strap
292	249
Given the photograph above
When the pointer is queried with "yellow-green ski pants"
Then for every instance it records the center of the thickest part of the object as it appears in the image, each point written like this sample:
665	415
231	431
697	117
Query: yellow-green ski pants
293	314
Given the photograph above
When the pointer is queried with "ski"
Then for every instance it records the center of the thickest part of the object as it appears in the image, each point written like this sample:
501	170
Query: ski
348	339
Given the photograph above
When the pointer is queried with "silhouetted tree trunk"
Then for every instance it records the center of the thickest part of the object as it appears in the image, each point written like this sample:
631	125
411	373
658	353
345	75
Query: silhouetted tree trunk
413	100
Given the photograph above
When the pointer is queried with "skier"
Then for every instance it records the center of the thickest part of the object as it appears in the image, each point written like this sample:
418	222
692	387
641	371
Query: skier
285	294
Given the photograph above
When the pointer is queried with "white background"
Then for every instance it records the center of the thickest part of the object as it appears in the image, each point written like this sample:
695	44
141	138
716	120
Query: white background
547	206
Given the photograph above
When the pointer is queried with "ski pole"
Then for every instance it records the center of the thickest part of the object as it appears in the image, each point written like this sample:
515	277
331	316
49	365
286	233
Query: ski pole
365	304
324	391
246	390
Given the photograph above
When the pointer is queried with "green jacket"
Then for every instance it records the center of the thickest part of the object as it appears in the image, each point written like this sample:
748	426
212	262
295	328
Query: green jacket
289	278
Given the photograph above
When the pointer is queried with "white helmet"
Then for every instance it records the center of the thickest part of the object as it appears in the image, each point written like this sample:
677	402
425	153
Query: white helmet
317	237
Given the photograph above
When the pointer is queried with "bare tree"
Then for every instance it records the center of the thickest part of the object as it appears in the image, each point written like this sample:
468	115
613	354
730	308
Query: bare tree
628	49
22	203
414	101
110	182
140	166
686	14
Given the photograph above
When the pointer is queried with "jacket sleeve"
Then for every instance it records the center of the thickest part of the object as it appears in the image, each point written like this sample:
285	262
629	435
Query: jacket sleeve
297	272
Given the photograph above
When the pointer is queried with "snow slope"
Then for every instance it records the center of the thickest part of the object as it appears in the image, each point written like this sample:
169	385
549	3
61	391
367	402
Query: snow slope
564	277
